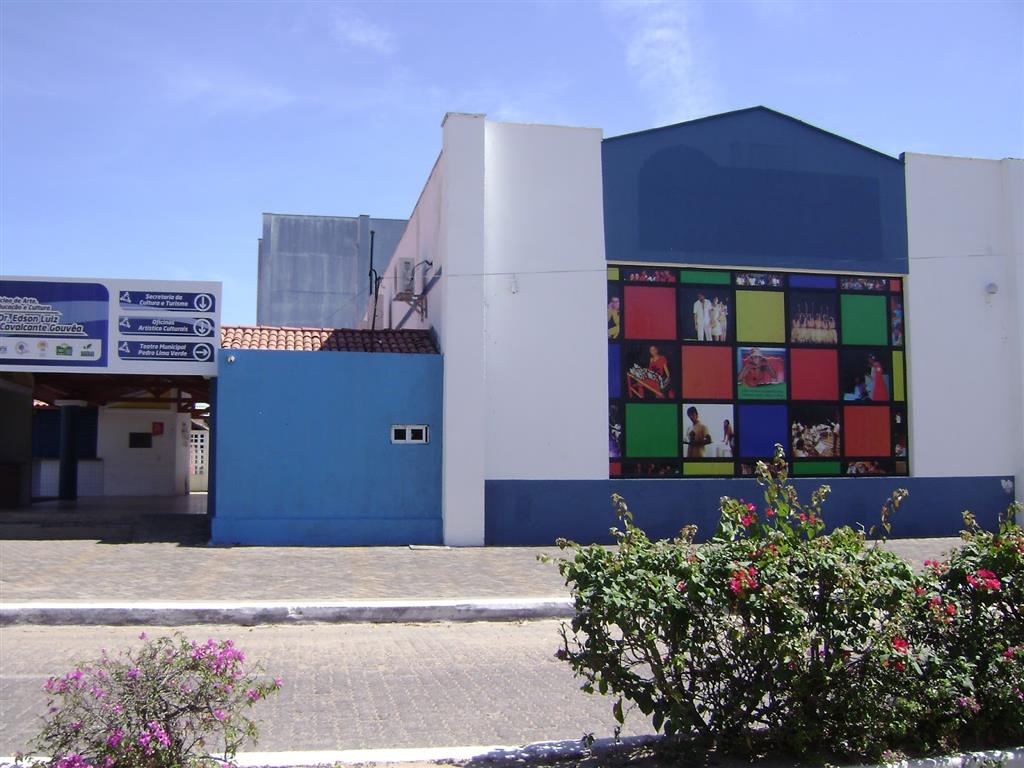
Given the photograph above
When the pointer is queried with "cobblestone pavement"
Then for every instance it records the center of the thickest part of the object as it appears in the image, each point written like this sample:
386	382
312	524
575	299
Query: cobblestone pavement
92	571
356	686
88	570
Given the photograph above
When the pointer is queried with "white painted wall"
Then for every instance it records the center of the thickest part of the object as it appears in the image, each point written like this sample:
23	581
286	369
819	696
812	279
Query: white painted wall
462	329
158	471
420	242
512	217
546	286
965	346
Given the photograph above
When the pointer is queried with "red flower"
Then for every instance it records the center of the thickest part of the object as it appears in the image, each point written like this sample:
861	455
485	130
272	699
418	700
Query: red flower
901	645
743	580
900	666
919	591
681	586
751	507
950	609
984	580
769	512
803	518
747	520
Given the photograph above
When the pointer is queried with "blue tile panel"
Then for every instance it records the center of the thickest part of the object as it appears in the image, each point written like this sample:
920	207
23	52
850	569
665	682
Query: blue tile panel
753	188
536	512
304	455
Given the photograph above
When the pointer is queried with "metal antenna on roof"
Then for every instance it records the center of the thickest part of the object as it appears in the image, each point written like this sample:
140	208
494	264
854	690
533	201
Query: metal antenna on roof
375	281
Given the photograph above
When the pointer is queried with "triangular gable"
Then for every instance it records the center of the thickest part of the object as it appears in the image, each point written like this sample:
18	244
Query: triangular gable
757	188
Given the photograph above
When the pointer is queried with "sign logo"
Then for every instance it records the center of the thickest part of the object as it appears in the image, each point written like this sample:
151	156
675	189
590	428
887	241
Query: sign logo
87	350
63	350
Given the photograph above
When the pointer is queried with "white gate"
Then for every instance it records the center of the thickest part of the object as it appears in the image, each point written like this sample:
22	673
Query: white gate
199	460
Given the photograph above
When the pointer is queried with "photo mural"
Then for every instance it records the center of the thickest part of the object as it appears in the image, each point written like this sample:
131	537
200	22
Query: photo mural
709	369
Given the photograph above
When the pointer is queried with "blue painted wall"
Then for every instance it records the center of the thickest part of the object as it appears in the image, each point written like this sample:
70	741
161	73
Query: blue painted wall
536	512
303	450
753	188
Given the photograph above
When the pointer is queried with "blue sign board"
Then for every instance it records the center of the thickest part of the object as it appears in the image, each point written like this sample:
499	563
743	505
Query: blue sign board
53	324
201	352
168	301
128	325
169	327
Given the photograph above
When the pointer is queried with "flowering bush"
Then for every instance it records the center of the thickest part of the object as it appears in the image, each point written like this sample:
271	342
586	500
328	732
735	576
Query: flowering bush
774	635
173	703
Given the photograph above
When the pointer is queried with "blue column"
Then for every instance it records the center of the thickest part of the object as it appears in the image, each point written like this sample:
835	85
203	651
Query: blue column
68	488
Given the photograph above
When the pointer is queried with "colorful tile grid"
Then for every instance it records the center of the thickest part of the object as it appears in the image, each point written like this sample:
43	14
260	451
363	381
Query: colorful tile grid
709	369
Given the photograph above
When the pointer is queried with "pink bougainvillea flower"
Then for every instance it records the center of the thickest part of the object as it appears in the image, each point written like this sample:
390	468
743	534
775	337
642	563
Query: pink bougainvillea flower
984	581
900	645
743	581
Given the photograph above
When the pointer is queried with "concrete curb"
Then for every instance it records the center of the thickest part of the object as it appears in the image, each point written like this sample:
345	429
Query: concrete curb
175	614
1006	758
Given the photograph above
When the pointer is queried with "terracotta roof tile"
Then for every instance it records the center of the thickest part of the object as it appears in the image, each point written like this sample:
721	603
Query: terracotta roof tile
327	339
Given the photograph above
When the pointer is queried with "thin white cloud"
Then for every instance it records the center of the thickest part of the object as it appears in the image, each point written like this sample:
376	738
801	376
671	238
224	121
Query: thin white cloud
536	102
350	27
663	56
220	91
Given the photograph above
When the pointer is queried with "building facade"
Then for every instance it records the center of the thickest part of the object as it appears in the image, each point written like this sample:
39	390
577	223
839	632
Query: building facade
314	270
873	300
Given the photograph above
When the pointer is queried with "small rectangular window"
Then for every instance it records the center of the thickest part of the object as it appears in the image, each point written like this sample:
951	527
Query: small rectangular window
140	440
409	434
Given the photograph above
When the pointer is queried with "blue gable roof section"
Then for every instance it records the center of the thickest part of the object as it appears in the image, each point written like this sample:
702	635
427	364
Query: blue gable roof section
753	188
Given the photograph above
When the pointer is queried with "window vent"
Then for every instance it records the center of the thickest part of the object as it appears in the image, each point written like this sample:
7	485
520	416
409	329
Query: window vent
410	434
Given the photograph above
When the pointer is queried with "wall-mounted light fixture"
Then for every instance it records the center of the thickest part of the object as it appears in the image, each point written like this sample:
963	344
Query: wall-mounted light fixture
991	288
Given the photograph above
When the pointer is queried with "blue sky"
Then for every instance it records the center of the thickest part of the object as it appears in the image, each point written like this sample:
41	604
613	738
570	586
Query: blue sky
145	139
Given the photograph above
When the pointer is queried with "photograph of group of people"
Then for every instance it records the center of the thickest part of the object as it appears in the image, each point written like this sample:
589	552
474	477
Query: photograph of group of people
812	318
636	275
760	279
814	431
707	431
706	314
861	283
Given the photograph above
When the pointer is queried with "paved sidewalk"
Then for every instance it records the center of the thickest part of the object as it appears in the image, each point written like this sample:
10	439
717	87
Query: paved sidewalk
90	582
